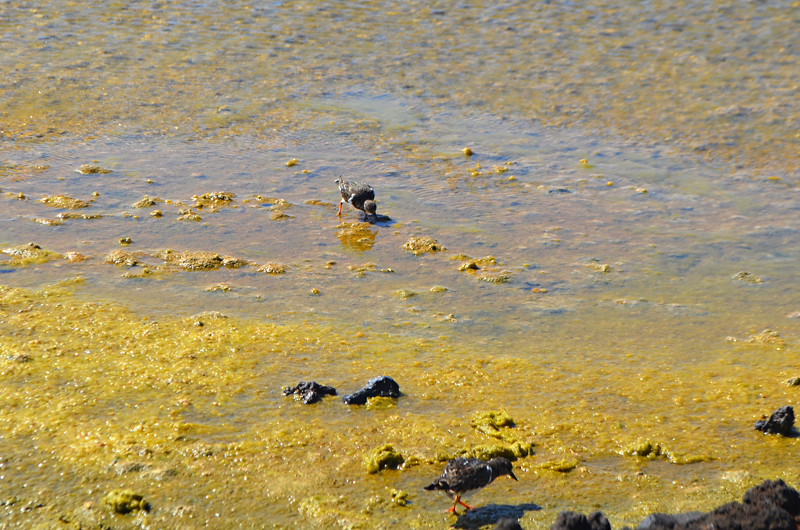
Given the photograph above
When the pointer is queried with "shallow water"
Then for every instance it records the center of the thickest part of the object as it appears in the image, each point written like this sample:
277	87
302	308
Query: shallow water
631	206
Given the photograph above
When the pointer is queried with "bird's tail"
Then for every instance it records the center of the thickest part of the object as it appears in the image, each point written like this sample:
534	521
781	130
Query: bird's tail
437	485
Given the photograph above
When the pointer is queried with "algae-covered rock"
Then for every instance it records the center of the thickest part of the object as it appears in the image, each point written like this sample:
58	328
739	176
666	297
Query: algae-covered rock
279	216
468	266
218	288
487	452
765	337
644	448
125	501
187	214
213	199
120	257
747	277
491	423
495	277
146	202
92	169
272	268
48	222
62	201
384	457
199	261
399	497
652	450
30	253
420	245
230	262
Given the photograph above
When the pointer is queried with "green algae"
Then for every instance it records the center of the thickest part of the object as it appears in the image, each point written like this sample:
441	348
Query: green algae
383	457
272	268
399	497
492	423
63	201
147	201
562	465
92	169
423	245
651	450
173	383
512	451
29	254
125	501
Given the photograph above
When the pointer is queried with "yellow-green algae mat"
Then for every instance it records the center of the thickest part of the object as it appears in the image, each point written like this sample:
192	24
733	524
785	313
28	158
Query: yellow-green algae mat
112	419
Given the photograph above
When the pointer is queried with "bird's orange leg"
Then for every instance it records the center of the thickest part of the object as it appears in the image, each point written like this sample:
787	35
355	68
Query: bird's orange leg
340	210
464	504
452	509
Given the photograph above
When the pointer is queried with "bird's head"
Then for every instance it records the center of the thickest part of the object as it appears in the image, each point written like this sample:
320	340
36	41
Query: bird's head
370	208
502	466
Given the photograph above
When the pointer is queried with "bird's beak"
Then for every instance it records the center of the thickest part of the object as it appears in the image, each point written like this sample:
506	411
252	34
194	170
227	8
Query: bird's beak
511	474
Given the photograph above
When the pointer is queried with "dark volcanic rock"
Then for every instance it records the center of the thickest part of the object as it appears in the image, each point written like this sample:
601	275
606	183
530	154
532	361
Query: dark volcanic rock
770	506
780	422
382	386
310	392
735	515
578	521
775	492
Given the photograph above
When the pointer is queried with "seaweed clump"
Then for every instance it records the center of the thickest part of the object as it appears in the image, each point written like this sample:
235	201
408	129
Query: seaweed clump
421	245
383	457
62	201
126	501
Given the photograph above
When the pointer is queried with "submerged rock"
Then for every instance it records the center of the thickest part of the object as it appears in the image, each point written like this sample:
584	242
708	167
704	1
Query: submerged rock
310	391
92	169
30	253
382	386
780	422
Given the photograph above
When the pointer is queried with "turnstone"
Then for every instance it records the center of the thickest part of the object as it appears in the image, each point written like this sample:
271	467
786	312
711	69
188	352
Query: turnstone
468	474
360	196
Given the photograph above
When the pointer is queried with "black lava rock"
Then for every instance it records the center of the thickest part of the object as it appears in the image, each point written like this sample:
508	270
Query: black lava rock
310	392
578	521
750	516
770	506
775	492
382	386
780	422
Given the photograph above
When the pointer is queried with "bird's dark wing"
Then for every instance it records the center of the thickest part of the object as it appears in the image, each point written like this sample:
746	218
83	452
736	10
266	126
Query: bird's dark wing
463	474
